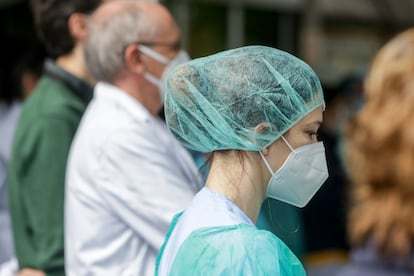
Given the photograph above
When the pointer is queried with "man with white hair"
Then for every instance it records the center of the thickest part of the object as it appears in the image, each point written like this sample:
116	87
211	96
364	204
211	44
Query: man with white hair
126	175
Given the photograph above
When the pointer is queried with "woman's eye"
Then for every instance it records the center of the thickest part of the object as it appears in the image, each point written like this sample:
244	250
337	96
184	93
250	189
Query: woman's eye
313	134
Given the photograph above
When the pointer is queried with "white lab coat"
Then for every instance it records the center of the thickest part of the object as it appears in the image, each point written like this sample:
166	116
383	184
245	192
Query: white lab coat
126	178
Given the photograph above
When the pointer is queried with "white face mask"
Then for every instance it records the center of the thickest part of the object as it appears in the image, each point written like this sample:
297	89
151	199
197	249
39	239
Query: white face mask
180	58
300	176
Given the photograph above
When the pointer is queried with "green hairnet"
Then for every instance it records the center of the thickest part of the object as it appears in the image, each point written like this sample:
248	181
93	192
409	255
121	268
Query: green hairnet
217	102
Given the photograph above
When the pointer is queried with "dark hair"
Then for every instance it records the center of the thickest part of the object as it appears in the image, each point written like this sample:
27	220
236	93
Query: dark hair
31	61
19	54
51	20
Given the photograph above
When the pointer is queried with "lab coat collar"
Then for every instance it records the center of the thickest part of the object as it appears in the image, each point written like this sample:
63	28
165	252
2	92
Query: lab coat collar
106	91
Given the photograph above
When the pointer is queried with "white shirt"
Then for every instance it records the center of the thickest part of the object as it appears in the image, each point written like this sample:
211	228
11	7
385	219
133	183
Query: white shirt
208	209
126	178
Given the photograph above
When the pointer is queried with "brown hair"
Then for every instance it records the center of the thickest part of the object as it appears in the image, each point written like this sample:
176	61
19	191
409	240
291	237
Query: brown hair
380	152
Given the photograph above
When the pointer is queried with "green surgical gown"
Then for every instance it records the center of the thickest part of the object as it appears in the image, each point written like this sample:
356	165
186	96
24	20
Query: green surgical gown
232	250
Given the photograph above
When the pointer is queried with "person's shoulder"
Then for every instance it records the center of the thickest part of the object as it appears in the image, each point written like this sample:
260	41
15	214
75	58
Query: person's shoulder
51	98
43	118
239	248
141	134
246	236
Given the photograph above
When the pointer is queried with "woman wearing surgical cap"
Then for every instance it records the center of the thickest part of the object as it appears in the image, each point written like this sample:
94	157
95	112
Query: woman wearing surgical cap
257	110
380	162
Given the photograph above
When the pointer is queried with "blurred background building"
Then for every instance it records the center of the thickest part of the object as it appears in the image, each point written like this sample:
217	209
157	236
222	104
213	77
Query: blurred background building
336	37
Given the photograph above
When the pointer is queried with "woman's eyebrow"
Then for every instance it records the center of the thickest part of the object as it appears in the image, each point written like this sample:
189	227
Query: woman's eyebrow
315	123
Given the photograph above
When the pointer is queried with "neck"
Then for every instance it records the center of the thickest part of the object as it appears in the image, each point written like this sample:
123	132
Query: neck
130	84
243	185
74	63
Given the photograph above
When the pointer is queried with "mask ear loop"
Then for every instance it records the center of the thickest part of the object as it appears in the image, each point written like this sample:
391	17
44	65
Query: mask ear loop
265	160
154	55
285	230
287	143
266	163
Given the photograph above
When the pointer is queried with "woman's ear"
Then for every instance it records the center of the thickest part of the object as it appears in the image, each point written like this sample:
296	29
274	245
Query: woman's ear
132	57
78	26
263	128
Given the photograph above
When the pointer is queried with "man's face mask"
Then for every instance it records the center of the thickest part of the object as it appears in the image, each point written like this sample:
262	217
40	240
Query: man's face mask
180	58
300	176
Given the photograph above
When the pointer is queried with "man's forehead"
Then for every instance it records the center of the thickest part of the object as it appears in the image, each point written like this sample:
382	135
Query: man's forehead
167	31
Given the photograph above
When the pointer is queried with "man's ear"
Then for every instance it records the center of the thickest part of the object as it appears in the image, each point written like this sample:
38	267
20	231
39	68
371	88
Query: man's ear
132	57
78	26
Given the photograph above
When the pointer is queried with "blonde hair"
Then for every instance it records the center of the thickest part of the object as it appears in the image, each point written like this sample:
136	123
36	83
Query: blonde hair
380	152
